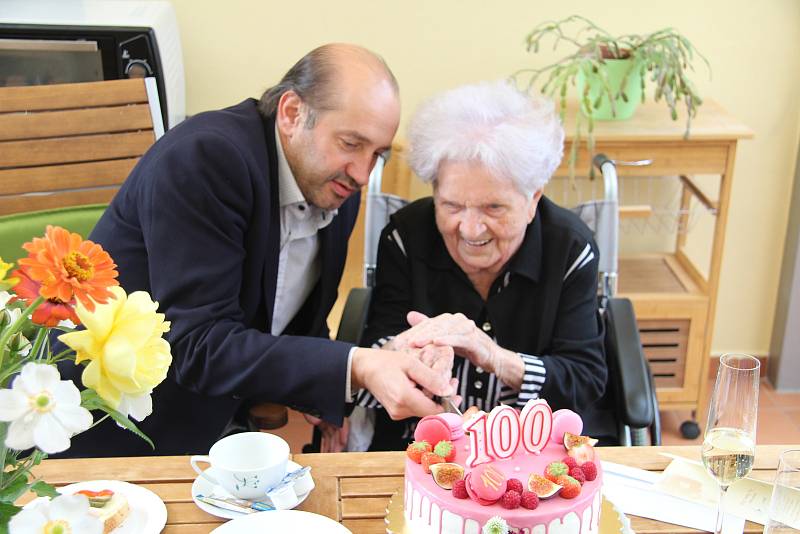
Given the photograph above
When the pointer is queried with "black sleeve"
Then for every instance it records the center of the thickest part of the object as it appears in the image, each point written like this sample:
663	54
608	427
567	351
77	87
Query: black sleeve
576	371
195	217
391	299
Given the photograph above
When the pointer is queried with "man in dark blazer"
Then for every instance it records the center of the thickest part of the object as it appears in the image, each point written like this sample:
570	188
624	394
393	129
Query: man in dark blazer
198	224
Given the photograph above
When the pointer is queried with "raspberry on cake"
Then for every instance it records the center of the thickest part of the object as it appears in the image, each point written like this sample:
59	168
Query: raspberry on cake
529	500
589	470
514	484
577	474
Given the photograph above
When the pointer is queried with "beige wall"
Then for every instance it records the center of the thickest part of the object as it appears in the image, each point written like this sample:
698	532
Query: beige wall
236	48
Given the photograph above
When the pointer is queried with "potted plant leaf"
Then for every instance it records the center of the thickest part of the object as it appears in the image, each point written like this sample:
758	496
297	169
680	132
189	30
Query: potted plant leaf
611	73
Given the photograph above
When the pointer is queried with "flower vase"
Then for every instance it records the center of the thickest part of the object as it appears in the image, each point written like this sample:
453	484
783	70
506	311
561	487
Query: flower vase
613	71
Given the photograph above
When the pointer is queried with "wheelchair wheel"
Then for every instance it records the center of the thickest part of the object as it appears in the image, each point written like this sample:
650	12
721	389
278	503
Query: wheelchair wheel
690	429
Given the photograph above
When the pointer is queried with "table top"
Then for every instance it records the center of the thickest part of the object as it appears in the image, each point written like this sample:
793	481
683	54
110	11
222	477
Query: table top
353	488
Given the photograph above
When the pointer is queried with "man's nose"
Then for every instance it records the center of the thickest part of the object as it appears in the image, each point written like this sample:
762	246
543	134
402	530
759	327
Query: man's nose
360	169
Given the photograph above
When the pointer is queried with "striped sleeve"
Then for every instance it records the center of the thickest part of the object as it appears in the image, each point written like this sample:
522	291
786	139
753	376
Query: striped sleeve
364	397
532	380
583	259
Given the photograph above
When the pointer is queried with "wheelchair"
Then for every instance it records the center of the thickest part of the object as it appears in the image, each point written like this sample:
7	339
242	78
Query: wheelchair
630	396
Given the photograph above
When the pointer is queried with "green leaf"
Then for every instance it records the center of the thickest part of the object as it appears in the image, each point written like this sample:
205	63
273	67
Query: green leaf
43	489
92	401
7	511
15	490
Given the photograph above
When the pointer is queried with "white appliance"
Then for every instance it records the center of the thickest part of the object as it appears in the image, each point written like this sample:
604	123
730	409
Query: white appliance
56	41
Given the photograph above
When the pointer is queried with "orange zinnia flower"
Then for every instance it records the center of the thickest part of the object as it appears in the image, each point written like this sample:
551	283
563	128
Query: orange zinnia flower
69	267
51	311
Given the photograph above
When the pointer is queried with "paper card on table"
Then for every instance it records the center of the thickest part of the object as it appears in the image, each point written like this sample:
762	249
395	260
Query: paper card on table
787	509
689	480
633	491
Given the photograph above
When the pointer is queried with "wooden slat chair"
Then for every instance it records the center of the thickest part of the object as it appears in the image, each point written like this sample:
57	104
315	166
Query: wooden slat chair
65	150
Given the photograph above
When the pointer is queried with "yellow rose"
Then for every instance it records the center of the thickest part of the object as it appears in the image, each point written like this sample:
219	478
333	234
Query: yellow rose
123	341
6	283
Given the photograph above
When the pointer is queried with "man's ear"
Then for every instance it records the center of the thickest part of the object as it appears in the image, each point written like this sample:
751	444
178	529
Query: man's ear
290	113
534	202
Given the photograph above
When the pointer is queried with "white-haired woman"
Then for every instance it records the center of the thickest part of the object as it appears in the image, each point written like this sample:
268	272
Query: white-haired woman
489	265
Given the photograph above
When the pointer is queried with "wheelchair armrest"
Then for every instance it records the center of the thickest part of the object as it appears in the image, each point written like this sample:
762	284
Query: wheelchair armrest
354	315
628	365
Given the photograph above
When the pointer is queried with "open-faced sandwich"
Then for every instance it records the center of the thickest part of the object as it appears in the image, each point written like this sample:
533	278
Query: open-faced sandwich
110	507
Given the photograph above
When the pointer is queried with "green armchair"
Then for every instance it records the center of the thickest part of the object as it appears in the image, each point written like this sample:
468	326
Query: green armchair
19	228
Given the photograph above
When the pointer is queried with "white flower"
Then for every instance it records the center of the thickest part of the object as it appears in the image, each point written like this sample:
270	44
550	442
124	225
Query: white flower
44	410
5	296
495	525
66	514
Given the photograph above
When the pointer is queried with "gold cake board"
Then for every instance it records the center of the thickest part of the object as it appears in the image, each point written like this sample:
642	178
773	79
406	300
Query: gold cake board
612	520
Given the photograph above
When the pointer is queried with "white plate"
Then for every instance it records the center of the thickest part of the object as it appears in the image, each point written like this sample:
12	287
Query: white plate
148	514
281	521
201	486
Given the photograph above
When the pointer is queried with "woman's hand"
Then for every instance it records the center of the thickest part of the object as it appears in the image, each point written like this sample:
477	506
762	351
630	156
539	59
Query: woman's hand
467	340
453	330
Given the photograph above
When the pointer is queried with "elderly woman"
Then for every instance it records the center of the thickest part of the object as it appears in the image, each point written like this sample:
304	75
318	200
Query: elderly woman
489	265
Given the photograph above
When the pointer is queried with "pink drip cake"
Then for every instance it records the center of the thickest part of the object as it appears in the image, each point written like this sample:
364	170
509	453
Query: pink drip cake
431	508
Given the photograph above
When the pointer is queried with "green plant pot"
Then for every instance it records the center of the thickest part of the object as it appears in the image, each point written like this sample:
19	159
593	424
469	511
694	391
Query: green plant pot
615	70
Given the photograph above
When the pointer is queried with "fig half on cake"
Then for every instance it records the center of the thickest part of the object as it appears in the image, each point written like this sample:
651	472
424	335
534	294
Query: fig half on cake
108	506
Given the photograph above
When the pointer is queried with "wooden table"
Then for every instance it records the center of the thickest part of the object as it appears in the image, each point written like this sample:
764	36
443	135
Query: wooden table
354	488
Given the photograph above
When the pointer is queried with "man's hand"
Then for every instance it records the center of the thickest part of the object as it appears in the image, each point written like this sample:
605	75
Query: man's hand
392	377
334	438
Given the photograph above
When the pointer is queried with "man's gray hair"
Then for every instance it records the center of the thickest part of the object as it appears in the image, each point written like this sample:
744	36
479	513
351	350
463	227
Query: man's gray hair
314	78
514	135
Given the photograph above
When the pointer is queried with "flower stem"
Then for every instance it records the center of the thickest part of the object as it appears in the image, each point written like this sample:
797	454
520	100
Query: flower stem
41	335
106	416
16	326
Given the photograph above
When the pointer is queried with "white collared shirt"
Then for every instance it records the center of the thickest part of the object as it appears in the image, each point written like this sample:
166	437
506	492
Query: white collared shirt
299	262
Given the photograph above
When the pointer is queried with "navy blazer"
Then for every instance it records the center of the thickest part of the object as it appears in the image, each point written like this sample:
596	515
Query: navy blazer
197	225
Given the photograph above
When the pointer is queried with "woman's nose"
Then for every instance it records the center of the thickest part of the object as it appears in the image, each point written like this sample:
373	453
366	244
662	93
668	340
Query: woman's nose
472	226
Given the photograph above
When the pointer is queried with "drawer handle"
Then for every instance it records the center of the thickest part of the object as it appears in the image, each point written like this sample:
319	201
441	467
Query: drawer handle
637	163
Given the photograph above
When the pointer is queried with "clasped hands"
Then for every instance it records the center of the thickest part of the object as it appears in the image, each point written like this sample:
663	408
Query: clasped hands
415	365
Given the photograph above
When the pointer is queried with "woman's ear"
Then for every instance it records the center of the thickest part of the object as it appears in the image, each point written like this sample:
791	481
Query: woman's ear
532	204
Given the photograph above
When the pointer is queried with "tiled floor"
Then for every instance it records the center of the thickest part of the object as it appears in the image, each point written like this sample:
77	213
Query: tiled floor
778	422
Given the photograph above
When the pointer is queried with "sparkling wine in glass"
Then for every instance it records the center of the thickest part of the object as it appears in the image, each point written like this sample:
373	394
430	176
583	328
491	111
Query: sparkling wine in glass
730	439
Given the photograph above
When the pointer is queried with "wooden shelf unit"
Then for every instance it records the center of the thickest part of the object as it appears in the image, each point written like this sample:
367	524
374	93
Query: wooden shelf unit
675	303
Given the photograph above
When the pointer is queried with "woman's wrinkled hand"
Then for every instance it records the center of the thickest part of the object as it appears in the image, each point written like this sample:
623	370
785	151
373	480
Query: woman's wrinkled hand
451	330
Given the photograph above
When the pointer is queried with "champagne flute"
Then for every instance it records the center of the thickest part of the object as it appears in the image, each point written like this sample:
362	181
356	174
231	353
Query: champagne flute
730	439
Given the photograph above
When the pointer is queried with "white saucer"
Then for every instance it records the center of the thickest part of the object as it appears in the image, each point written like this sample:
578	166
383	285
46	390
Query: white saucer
201	486
148	514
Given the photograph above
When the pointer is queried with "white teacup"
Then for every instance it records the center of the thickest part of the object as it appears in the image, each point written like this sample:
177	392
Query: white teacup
246	464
